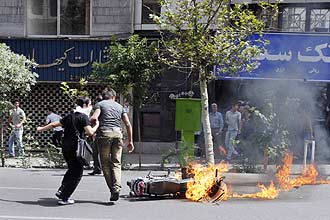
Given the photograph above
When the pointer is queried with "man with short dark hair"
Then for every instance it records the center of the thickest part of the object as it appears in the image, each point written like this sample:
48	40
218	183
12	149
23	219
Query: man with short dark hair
58	131
216	124
16	119
109	139
233	120
74	124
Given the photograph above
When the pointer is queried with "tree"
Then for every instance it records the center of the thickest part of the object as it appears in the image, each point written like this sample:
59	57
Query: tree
204	33
16	77
131	66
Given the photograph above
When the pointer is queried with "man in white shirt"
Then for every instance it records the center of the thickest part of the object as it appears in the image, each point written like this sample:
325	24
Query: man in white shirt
16	120
233	120
58	131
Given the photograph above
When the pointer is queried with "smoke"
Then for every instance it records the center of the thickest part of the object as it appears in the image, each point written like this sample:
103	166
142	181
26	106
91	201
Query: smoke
292	103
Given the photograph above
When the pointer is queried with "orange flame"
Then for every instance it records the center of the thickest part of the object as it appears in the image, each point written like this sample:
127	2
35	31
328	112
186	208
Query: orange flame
308	176
204	178
270	192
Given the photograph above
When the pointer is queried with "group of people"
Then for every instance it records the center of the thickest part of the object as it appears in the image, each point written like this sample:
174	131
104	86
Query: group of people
105	126
234	124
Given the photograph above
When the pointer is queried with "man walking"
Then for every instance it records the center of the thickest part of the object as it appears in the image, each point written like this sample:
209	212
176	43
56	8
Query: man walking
16	119
58	131
216	123
109	139
233	120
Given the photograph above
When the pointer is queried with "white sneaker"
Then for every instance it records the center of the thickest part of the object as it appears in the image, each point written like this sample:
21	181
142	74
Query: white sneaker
65	201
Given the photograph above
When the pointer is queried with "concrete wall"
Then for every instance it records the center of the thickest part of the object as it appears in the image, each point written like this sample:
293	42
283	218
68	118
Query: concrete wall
111	17
12	15
108	17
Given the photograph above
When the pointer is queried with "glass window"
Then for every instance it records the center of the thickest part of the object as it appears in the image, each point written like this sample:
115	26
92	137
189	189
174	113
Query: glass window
320	20
73	17
294	19
150	7
41	17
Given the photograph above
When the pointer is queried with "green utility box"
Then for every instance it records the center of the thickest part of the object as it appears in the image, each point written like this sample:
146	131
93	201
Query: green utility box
187	121
188	114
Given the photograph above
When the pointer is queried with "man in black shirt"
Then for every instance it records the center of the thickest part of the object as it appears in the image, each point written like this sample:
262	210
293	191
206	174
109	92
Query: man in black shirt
74	173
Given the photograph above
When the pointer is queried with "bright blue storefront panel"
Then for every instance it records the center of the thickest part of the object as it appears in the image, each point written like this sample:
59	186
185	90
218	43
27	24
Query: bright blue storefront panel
291	56
60	59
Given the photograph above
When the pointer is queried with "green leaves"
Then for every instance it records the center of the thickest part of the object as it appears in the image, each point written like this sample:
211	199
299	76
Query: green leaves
16	75
74	93
132	64
210	32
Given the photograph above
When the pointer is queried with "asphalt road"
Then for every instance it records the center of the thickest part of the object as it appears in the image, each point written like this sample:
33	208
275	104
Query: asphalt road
29	194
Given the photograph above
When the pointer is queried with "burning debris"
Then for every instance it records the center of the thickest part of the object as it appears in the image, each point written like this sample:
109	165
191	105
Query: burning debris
207	184
309	175
266	193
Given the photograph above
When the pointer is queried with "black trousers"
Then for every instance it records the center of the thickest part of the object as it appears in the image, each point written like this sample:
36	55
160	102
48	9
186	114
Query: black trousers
96	159
57	138
73	175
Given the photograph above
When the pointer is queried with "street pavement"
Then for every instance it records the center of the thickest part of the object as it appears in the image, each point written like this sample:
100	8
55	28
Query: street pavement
29	194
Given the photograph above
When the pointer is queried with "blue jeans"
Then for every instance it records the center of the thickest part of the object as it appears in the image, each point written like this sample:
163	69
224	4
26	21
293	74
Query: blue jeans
16	135
230	142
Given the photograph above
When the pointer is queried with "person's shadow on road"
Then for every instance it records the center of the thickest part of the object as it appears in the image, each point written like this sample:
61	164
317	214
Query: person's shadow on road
52	202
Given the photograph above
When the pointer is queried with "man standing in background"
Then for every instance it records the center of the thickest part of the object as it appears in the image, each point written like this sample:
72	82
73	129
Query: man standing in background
233	120
16	119
58	131
216	123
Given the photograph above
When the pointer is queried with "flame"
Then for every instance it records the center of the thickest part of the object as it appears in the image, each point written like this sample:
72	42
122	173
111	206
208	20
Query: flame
204	179
270	192
309	174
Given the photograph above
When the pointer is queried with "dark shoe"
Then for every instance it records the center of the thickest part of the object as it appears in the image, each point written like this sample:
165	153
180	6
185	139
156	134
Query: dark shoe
11	155
58	194
94	172
114	196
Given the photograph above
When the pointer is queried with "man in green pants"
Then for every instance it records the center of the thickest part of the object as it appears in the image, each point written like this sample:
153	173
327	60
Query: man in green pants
109	139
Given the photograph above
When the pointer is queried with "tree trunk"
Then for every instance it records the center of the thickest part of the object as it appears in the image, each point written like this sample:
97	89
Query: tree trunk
205	119
139	136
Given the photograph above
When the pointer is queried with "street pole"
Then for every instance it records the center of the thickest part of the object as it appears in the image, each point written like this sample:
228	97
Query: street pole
1	142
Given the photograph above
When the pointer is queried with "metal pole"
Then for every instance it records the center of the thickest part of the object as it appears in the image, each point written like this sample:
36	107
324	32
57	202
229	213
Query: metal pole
1	142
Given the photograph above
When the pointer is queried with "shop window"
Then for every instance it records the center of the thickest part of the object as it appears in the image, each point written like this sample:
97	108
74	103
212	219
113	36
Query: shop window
150	7
58	17
294	19
320	20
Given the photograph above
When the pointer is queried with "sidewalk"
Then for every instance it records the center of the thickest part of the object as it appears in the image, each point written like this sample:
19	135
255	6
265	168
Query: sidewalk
153	162
131	161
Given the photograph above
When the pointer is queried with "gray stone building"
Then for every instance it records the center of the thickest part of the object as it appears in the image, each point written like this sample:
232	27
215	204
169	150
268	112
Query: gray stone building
49	29
56	18
76	31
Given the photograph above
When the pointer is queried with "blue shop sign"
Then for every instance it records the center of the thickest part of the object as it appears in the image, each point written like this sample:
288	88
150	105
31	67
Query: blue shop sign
290	56
60	59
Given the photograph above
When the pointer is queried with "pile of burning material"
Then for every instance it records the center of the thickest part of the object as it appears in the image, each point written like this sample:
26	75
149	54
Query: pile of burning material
309	175
165	185
207	185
